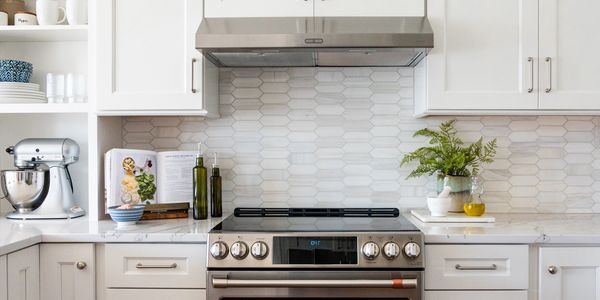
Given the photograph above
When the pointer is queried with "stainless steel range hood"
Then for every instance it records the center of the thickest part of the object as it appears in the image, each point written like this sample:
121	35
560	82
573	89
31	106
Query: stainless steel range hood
311	42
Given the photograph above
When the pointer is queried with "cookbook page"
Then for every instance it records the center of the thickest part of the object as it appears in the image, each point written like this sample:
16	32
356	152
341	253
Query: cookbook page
175	176
130	177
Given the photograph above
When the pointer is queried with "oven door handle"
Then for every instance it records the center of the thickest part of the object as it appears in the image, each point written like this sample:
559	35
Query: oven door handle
408	283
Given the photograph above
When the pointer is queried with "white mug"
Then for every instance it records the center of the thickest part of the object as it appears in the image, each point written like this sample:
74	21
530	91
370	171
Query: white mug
77	12
3	18
48	12
25	18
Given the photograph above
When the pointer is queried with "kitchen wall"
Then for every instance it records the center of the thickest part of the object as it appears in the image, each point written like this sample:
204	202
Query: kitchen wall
334	137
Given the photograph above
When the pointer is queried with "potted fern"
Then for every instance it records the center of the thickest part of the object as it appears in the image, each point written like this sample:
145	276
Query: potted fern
448	156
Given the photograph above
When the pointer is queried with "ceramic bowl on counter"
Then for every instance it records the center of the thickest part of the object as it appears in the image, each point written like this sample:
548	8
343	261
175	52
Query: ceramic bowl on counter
15	70
126	216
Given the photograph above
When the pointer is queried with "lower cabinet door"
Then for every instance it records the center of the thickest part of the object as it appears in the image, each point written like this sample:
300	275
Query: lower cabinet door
24	274
155	294
3	279
67	272
475	295
568	273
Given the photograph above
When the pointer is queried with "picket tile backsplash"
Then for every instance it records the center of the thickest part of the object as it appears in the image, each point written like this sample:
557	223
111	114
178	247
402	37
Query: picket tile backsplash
334	137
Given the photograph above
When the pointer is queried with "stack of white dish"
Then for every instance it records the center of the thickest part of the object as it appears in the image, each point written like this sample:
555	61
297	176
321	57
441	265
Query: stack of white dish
18	92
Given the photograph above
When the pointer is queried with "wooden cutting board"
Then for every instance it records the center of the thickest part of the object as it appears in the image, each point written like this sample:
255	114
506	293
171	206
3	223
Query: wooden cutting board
425	217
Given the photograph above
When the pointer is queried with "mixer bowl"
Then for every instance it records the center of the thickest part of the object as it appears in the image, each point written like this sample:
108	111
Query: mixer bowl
24	189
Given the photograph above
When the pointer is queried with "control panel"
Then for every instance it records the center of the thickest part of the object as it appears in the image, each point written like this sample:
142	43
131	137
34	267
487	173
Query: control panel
315	250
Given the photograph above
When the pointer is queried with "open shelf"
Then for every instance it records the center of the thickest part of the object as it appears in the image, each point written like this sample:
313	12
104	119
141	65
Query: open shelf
43	33
44	108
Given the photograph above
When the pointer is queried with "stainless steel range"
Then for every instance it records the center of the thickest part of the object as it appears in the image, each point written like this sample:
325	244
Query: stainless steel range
312	253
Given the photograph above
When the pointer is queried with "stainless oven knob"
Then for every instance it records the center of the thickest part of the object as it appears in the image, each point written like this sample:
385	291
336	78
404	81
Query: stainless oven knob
370	250
412	250
391	250
239	250
259	250
218	250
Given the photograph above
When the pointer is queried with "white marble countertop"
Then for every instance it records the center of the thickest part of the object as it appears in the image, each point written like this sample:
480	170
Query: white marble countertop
508	229
15	234
517	229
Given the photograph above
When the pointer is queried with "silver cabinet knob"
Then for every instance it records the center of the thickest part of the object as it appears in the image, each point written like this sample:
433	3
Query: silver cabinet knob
239	250
412	250
259	250
218	250
80	265
552	270
391	250
370	250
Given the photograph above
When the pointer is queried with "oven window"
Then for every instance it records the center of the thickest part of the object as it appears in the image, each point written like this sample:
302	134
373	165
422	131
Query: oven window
314	250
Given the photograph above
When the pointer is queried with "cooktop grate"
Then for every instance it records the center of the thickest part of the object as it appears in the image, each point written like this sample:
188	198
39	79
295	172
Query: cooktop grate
318	212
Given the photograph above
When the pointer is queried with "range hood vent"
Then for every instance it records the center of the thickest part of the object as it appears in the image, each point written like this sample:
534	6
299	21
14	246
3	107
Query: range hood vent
313	42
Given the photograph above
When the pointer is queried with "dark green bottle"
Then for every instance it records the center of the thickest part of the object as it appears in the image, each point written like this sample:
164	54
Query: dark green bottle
216	202
200	206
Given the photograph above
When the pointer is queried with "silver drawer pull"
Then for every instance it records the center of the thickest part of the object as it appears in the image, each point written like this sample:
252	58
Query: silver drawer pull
530	60
349	283
141	266
493	267
194	90
549	61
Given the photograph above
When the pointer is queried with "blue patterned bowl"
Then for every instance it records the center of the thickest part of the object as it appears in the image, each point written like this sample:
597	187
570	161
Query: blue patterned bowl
15	71
126	216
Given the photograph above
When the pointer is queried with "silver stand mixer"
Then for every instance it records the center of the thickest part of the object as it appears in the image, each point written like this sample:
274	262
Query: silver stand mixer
41	187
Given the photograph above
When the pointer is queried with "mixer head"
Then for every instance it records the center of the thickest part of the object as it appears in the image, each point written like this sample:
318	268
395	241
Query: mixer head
30	153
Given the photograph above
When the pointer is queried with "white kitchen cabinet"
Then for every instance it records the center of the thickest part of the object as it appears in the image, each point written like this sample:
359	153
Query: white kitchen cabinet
481	58
569	273
169	266
569	61
372	8
24	274
3	279
147	62
257	8
476	267
68	272
155	294
475	295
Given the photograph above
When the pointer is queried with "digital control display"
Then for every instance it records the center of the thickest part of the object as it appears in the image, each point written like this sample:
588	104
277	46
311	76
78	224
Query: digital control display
315	250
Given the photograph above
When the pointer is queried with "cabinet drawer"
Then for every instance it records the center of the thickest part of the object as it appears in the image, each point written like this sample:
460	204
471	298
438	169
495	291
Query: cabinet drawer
155	265
475	295
476	267
155	294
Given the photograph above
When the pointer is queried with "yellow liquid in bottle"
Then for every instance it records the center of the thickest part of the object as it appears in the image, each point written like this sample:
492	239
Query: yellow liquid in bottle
474	209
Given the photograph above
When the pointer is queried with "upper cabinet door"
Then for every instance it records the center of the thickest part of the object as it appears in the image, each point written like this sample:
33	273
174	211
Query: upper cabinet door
372	8
258	8
484	57
569	54
569	273
146	56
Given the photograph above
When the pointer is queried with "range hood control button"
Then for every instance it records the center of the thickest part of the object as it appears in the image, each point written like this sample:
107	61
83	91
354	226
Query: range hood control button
370	250
412	250
391	250
259	250
218	250
239	250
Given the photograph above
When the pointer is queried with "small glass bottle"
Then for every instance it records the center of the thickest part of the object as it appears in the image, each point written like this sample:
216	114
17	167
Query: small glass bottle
474	206
200	205
216	202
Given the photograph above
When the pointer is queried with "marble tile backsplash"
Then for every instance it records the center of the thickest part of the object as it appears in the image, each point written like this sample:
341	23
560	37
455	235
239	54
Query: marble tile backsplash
334	137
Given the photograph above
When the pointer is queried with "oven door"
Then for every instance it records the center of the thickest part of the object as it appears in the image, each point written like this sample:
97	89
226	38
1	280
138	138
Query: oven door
314	284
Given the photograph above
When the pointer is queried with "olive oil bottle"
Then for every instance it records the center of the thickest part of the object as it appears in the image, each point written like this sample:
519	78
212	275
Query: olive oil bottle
216	202
200	205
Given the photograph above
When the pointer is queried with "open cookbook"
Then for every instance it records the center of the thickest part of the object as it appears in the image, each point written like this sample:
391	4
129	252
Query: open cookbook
148	177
